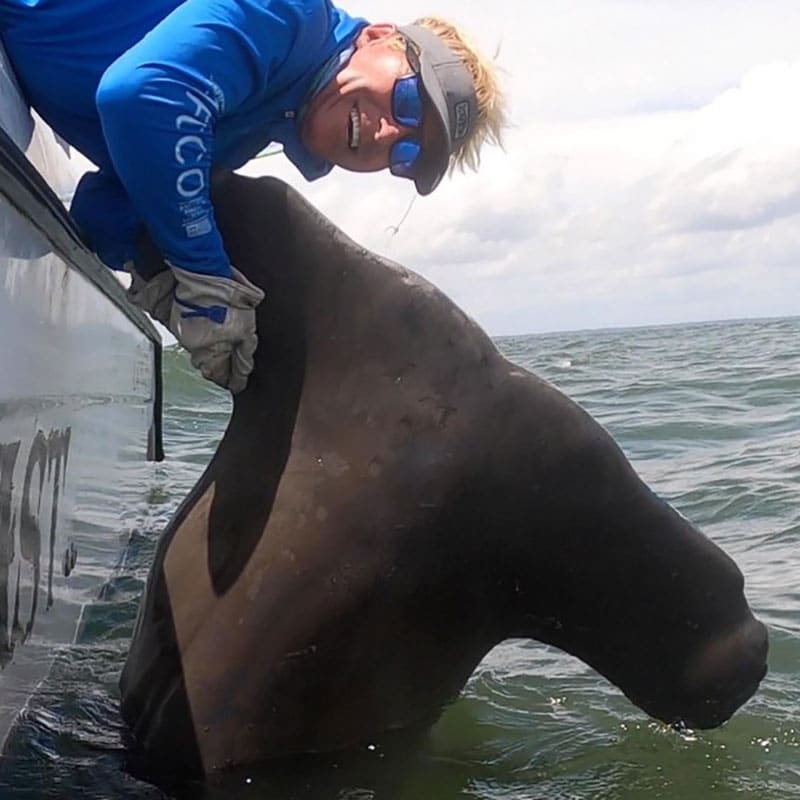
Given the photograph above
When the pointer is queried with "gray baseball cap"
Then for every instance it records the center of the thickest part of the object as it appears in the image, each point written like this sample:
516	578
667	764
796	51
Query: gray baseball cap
448	84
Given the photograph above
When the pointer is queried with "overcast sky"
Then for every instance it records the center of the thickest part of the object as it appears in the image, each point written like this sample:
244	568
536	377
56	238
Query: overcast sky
652	174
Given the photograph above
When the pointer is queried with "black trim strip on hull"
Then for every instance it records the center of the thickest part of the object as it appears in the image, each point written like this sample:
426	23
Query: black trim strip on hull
29	193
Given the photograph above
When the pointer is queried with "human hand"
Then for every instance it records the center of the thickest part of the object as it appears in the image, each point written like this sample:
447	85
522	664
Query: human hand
155	295
214	318
106	218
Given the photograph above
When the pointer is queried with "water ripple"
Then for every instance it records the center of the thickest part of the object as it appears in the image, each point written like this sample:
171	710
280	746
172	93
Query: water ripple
709	415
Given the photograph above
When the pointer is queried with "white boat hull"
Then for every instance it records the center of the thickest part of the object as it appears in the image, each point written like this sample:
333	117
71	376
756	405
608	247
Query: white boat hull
79	406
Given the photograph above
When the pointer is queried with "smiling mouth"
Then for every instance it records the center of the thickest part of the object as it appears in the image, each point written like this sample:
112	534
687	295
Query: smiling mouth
354	128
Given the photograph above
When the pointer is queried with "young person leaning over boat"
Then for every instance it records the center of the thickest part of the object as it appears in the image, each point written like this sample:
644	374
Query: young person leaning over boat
158	92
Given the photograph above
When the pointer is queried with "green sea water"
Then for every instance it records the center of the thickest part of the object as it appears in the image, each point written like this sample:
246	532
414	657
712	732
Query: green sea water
709	415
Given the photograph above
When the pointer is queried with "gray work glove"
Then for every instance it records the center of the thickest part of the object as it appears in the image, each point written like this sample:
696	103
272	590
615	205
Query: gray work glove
215	320
153	296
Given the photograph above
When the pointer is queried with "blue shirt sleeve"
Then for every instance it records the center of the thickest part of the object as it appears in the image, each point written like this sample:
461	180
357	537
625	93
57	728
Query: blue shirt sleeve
160	101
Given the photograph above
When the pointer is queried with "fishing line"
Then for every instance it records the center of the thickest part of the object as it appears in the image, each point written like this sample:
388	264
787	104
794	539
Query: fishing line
393	230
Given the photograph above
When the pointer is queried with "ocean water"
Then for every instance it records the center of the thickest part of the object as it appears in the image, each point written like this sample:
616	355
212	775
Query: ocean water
709	414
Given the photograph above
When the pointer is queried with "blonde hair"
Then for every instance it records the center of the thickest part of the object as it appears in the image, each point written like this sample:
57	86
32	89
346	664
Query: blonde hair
492	113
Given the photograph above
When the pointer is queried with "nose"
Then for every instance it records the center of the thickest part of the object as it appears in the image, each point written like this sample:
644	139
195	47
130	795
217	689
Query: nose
725	674
388	131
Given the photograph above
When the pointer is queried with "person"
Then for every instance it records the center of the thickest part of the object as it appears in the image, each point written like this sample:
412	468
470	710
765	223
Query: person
156	93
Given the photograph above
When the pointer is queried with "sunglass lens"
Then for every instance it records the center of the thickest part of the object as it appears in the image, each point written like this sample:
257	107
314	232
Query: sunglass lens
404	155
407	102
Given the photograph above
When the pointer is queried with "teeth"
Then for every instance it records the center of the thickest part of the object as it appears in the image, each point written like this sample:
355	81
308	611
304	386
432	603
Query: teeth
354	129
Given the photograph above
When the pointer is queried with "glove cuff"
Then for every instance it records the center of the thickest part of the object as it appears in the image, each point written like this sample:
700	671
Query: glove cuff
200	294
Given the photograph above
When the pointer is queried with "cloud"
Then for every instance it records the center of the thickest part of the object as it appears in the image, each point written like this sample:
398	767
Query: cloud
651	176
736	166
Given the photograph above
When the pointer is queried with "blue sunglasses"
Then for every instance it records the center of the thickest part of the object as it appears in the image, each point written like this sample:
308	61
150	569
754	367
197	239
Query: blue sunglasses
407	110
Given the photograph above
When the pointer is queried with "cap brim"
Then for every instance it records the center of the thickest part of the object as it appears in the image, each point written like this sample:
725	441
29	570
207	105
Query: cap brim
433	165
431	49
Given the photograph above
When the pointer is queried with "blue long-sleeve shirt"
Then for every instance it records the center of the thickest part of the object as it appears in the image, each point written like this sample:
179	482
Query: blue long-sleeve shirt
156	92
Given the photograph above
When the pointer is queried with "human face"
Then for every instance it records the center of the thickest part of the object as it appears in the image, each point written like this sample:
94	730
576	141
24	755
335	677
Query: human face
350	122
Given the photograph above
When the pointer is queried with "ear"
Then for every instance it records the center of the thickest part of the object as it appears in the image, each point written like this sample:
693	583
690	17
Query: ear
375	33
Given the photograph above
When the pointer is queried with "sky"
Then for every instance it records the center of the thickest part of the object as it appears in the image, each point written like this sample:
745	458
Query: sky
651	174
